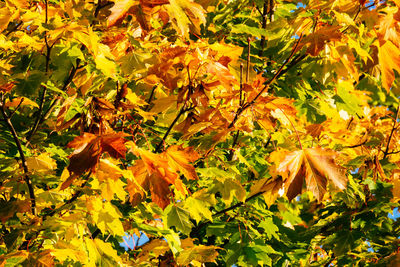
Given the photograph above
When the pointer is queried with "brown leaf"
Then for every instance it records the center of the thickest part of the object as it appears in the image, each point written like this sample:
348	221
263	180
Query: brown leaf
89	148
314	130
316	166
86	155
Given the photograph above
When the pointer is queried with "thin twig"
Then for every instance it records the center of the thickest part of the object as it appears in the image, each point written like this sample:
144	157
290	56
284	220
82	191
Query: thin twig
263	26
241	86
267	85
74	197
180	113
238	204
15	110
43	95
13	29
21	154
354	18
391	133
248	60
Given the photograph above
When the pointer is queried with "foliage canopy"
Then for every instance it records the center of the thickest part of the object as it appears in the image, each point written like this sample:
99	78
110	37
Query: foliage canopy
259	132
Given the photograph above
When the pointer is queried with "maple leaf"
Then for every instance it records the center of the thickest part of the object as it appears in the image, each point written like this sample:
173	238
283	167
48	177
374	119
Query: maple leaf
86	154
388	63
269	187
89	148
179	158
315	166
317	40
119	10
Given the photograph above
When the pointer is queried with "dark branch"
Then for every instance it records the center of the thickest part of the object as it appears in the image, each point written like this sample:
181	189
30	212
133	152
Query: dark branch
43	95
386	153
238	204
21	154
180	113
267	85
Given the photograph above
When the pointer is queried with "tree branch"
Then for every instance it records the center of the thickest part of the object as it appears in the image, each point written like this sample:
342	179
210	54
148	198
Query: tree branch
180	113
21	154
386	153
43	95
267	85
74	197
238	204
263	26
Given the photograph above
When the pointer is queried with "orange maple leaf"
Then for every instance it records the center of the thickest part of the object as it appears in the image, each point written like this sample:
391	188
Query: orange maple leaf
156	172
317	40
388	61
119	10
314	165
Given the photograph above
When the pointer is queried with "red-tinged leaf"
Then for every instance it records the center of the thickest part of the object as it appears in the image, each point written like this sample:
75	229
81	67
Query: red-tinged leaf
314	165
80	142
153	183
114	145
119	10
7	87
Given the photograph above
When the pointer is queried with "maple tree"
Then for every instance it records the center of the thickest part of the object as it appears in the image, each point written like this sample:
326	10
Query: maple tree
259	132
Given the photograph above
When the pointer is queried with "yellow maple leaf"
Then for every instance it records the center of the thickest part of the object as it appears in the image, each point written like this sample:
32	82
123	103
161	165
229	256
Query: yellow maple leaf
42	163
388	62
